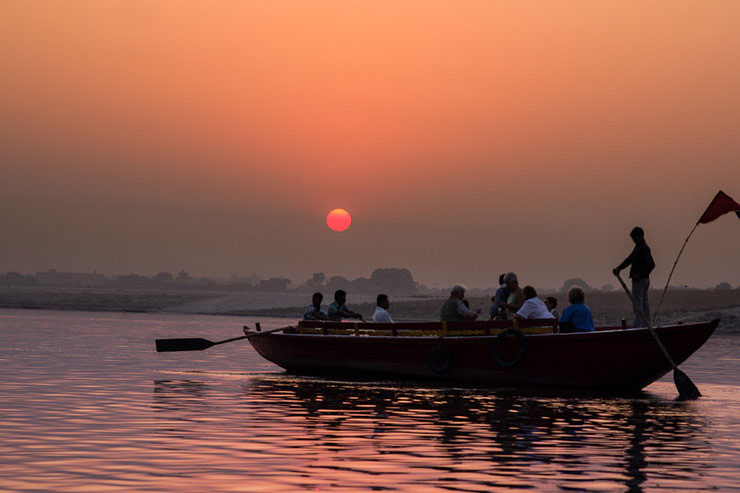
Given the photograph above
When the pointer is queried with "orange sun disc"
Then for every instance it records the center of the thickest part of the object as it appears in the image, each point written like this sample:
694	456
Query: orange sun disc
338	219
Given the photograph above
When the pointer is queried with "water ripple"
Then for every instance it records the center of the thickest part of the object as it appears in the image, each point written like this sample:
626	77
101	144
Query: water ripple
79	412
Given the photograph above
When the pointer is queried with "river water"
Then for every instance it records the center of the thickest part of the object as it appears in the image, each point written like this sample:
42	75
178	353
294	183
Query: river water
88	405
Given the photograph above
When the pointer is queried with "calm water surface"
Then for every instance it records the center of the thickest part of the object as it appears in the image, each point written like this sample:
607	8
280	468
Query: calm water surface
87	404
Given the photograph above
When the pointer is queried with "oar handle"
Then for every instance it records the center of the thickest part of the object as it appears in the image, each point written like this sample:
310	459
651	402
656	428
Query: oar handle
250	334
230	340
649	321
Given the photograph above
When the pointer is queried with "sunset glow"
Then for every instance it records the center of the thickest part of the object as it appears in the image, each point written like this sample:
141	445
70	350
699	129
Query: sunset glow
476	131
338	219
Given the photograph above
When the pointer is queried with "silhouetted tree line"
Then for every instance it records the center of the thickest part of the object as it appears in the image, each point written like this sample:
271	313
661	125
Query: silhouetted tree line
393	281
16	279
389	281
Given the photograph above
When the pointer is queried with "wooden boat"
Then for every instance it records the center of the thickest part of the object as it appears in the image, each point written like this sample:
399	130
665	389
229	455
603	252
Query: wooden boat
504	353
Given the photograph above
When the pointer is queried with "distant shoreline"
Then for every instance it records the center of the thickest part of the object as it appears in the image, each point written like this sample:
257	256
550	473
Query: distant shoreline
608	308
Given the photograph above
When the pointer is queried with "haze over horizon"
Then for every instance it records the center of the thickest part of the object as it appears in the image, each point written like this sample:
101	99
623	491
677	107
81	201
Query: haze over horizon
465	138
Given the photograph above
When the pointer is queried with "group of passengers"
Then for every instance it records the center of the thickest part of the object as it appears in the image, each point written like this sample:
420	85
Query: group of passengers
339	310
509	302
513	302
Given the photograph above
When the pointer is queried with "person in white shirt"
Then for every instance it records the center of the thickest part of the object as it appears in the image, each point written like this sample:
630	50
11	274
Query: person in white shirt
381	312
533	307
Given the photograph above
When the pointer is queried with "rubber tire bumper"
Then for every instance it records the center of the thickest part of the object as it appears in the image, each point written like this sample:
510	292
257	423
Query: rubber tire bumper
440	359
522	351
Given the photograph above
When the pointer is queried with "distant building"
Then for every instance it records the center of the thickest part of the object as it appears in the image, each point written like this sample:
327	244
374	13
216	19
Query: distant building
69	279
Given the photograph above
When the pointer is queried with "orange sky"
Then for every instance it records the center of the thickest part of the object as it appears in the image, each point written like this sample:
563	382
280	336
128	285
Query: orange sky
466	138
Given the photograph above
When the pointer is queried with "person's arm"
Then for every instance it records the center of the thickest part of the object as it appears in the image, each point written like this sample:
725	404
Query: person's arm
520	299
650	262
625	262
494	308
333	313
496	303
466	312
350	314
514	307
524	312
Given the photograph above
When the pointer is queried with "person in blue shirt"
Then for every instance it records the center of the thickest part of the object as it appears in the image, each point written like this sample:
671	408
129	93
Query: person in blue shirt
314	311
577	316
502	293
339	309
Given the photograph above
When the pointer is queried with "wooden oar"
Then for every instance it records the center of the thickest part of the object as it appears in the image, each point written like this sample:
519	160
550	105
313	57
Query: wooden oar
684	385
199	344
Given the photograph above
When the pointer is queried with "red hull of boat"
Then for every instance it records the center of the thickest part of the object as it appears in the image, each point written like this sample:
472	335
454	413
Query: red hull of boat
615	359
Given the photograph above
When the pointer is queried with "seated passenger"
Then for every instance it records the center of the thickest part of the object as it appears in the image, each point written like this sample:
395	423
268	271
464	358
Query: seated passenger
533	308
515	298
551	303
314	311
502	293
339	310
454	309
381	314
577	316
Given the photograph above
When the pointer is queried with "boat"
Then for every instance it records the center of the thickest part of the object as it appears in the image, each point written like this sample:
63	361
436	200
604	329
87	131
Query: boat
505	353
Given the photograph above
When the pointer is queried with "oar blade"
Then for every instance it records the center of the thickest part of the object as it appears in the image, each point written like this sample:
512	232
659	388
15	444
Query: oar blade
686	388
190	344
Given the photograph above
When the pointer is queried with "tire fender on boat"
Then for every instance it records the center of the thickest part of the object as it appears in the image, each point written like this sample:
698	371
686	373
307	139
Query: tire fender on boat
522	344
440	359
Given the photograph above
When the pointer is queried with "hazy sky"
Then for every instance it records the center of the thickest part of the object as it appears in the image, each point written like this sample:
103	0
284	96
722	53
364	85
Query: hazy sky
465	138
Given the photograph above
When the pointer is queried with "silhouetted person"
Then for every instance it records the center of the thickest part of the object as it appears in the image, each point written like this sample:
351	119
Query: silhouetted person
314	311
642	264
339	310
381	314
454	309
502	293
515	298
551	303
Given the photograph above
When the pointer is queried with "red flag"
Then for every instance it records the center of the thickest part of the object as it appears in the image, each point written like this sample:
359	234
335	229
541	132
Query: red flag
721	204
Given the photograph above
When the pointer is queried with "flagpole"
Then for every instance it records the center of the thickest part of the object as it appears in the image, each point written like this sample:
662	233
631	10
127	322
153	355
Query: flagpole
655	315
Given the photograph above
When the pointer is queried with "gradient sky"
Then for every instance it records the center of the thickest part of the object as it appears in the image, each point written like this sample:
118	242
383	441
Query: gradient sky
465	138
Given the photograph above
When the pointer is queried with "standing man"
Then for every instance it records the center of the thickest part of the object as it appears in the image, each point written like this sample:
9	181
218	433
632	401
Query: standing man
642	265
381	312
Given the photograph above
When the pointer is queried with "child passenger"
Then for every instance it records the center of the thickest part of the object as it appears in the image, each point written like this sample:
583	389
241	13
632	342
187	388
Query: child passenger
551	303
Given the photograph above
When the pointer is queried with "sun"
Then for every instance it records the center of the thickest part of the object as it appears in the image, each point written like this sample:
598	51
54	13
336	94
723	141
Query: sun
338	219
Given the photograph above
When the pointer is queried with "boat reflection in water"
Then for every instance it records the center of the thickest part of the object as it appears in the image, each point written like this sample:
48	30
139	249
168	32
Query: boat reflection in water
377	435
